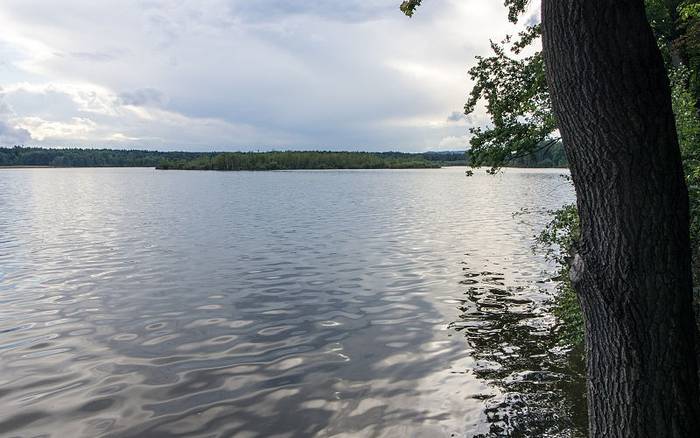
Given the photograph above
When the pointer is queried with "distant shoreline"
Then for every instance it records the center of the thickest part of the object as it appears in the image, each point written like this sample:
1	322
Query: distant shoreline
36	158
281	170
76	167
20	166
32	157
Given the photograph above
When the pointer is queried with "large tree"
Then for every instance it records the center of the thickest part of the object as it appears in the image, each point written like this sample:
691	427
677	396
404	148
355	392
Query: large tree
611	98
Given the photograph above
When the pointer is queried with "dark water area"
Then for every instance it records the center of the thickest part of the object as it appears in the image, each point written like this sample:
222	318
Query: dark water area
137	302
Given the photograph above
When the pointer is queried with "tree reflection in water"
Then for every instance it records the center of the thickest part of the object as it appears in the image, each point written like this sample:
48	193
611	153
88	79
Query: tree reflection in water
540	386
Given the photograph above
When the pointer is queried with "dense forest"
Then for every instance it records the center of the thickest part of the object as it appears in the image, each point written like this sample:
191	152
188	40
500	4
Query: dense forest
289	160
31	156
552	156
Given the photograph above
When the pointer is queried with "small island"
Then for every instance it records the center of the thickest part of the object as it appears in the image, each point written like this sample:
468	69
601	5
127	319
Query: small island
294	160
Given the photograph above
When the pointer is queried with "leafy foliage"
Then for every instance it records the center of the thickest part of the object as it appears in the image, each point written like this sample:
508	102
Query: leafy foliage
546	154
408	7
559	239
514	89
687	44
517	100
688	128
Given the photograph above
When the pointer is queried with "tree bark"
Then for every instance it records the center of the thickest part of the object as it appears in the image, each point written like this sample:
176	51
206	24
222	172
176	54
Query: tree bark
632	272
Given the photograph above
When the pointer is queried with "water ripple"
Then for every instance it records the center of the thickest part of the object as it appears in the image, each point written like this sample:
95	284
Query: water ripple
353	303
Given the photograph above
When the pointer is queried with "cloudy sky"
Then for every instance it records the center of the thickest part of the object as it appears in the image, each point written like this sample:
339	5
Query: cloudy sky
240	74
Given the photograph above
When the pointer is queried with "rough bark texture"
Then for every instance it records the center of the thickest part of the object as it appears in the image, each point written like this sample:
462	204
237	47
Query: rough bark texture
632	272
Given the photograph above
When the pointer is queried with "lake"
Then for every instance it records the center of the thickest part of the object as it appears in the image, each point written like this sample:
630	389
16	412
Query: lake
138	302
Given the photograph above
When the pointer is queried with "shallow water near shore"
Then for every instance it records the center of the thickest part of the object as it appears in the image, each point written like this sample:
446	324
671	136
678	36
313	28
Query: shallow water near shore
137	302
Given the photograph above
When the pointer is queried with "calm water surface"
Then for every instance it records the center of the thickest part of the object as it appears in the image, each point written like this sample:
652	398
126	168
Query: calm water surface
136	302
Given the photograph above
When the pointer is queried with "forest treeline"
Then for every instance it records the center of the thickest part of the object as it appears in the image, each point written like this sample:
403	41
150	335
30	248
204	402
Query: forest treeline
552	156
289	160
76	157
31	156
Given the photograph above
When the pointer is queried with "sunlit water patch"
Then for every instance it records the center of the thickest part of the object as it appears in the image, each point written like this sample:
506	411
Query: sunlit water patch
136	302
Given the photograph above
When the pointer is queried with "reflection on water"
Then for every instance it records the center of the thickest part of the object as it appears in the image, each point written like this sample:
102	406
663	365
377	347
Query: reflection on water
136	302
540	388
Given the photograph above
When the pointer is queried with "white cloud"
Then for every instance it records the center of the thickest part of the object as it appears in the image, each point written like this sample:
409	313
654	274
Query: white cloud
454	143
241	74
77	128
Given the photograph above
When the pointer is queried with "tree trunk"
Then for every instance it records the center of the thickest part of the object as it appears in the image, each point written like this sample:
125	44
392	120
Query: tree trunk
632	272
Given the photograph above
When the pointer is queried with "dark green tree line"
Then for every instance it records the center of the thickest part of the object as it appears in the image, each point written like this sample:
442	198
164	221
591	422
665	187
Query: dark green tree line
83	157
76	157
289	160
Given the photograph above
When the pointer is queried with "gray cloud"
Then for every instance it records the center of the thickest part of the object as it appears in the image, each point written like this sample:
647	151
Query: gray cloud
240	74
345	10
11	136
456	116
106	55
143	97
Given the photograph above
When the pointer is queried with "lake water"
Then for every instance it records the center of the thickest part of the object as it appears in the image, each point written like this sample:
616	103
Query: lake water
137	302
